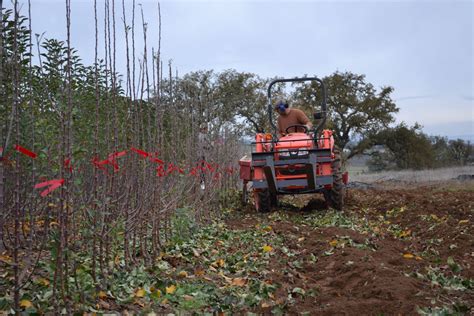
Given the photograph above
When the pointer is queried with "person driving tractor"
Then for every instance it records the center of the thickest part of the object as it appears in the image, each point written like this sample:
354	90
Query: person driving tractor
289	117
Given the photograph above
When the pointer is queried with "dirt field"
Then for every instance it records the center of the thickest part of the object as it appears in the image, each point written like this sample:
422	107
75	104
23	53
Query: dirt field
393	251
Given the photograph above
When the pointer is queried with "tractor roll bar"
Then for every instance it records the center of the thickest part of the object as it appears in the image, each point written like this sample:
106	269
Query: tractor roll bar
323	102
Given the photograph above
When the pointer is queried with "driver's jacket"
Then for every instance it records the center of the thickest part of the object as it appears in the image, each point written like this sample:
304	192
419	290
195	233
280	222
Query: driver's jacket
294	117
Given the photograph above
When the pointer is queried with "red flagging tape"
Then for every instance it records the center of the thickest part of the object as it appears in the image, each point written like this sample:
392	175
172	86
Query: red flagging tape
99	164
142	153
158	161
111	160
25	151
68	165
160	171
53	185
119	154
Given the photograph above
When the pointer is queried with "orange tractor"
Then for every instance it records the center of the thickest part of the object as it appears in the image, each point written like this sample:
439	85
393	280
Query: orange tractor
296	163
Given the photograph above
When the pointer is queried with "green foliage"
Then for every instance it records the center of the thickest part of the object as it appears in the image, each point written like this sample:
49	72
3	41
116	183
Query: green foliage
450	283
14	58
456	309
460	151
451	152
219	98
159	284
404	147
184	224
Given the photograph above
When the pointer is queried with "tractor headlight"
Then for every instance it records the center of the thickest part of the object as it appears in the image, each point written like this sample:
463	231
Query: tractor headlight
302	153
285	154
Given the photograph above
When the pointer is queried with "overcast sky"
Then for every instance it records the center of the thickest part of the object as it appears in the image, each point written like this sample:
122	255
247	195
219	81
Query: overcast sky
424	49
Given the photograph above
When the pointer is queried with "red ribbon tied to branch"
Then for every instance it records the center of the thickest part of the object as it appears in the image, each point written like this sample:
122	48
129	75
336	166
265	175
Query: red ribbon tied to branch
142	153
158	161
53	185
25	151
111	160
160	171
114	156
151	156
67	164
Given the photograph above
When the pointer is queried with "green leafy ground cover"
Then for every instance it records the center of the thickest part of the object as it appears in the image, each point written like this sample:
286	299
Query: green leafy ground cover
388	253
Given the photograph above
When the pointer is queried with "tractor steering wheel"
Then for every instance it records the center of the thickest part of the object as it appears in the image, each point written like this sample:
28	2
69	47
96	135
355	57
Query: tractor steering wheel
296	126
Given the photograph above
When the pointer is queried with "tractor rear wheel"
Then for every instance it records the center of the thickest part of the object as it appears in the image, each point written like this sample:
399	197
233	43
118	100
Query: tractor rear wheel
335	196
264	200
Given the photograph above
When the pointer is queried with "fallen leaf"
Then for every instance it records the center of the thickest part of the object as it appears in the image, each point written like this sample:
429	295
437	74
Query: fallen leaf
188	297
225	277
104	304
26	303
418	258
265	305
196	253
301	239
239	282
43	281
183	274
267	248
219	263
139	303
408	256
26	228
267	228
102	294
463	221
199	272
140	293
405	233
298	290
171	289
333	243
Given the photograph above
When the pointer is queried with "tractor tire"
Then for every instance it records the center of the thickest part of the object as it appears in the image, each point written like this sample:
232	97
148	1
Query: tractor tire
264	201
335	196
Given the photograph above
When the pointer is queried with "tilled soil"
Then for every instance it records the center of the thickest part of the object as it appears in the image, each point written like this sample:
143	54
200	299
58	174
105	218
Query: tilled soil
396	251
